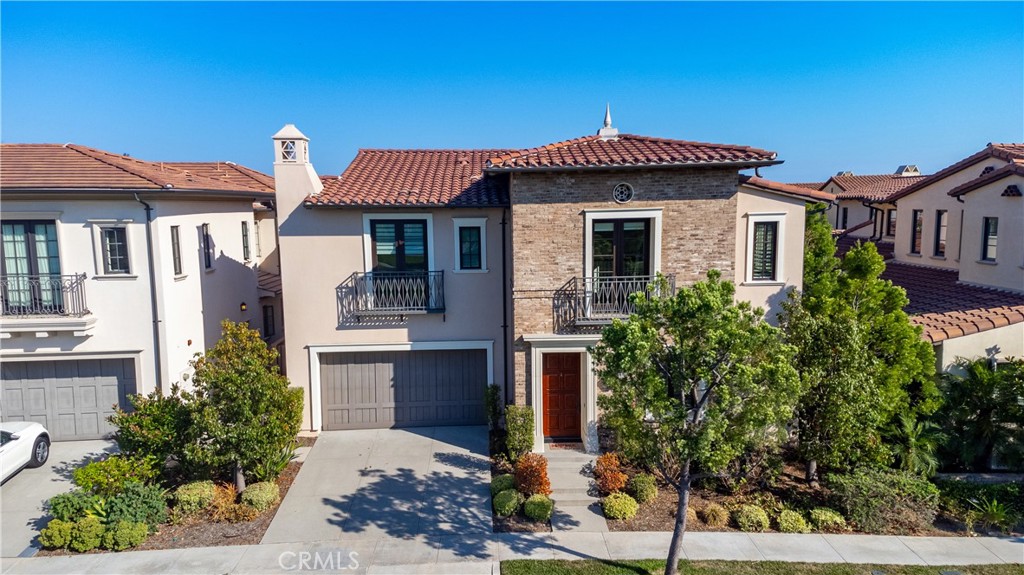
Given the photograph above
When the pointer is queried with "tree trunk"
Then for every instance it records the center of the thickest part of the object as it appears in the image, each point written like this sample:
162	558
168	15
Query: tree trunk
675	550
812	472
239	478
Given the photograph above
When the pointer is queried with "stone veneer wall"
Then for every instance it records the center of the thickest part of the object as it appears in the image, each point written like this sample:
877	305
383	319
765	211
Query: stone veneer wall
698	234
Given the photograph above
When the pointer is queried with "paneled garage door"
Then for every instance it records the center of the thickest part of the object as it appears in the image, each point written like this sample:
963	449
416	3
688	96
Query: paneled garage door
72	398
403	388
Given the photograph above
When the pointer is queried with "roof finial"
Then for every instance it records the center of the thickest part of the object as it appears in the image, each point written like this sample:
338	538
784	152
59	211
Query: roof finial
608	132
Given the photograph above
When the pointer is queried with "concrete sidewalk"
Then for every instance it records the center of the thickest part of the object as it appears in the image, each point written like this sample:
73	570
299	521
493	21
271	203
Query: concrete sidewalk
473	555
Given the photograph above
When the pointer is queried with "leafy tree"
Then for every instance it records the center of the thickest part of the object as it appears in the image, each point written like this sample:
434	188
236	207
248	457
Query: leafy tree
985	414
695	381
246	412
861	360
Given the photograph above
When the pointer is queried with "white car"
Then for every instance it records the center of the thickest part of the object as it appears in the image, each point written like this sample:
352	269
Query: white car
22	444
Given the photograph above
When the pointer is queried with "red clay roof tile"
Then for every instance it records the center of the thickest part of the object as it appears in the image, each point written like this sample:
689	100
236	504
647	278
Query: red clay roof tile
788	189
1011	169
872	188
1009	152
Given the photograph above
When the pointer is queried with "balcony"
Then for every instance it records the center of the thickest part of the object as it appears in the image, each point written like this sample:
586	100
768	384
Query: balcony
392	293
43	304
596	301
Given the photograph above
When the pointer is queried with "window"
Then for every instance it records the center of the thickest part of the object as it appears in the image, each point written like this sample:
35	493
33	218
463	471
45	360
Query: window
890	223
207	247
268	321
764	259
846	218
115	251
399	245
30	265
989	239
176	249
471	244
766	237
915	232
288	151
621	248
245	242
940	233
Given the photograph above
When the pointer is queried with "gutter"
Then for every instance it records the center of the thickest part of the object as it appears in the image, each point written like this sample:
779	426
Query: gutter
872	210
505	297
736	165
155	307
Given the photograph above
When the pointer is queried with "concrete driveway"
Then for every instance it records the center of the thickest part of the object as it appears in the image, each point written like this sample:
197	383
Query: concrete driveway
428	483
23	496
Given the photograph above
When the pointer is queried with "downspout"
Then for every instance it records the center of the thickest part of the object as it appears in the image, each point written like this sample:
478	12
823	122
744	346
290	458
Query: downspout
152	294
874	221
505	296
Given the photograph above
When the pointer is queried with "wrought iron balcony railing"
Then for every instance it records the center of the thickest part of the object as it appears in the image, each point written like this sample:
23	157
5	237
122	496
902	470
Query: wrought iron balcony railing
43	295
396	293
596	301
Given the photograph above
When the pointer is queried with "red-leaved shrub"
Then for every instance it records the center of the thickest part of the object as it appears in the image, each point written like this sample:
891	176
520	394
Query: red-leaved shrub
531	474
608	474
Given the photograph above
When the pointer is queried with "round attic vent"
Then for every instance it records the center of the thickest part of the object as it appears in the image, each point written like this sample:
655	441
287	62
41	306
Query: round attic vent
622	193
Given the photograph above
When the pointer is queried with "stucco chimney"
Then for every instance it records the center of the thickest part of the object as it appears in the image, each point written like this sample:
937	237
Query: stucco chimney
294	176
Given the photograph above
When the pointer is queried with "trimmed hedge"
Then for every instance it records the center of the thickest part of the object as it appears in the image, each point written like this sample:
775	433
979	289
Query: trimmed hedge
751	518
792	522
643	487
261	496
125	535
825	519
193	497
519	424
620	506
507	502
72	506
56	534
502	482
87	534
531	473
539	507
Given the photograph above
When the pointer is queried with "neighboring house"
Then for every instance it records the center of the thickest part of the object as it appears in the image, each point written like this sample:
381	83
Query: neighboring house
862	209
114	272
417	277
958	250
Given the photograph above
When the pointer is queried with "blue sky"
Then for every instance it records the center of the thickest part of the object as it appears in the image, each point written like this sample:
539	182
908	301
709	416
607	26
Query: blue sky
829	86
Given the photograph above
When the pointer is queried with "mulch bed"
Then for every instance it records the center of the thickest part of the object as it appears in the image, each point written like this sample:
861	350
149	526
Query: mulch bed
201	532
517	523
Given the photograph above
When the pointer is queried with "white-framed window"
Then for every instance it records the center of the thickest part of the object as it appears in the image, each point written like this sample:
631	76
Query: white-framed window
470	244
207	243
645	261
176	250
765	233
112	246
387	248
246	253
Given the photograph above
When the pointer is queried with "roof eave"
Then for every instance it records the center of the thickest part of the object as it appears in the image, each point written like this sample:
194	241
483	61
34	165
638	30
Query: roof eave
335	205
164	193
738	165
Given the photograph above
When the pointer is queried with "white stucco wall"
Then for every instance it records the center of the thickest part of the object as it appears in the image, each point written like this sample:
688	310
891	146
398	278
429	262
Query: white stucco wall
1002	343
769	296
1007	271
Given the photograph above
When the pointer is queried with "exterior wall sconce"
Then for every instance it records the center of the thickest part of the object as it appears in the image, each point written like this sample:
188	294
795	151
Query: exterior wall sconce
243	307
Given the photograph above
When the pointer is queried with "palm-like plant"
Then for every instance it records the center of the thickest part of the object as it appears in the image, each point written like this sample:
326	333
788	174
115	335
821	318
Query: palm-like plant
914	442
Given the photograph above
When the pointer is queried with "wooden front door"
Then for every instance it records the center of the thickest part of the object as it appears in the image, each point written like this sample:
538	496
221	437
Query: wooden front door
562	395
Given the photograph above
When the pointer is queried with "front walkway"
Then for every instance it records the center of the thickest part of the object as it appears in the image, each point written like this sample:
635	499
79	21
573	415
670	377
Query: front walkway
441	555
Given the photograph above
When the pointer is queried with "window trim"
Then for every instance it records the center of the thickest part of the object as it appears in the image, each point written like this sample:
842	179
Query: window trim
780	267
916	231
273	322
368	240
246	248
589	216
99	248
207	245
458	224
176	251
890	222
938	231
984	239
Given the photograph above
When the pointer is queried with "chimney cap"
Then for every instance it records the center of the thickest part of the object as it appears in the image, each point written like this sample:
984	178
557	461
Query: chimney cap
290	132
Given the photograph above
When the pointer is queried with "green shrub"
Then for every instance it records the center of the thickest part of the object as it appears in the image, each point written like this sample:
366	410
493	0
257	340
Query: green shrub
107	477
56	534
825	519
507	502
643	487
87	534
492	405
502	482
519	423
71	506
125	535
138	503
261	496
156	426
957	497
539	507
751	518
193	497
792	522
714	515
992	513
885	501
270	469
620	506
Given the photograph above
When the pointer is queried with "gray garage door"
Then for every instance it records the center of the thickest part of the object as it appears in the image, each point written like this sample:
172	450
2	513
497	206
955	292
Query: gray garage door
72	398
403	388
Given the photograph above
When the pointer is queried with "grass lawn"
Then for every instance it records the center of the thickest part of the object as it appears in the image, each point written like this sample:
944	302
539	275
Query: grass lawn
657	567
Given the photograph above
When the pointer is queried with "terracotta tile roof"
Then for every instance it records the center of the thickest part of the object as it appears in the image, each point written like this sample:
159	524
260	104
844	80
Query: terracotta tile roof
1007	152
787	189
36	167
872	188
228	172
811	185
1015	168
629	150
947	309
427	178
844	242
